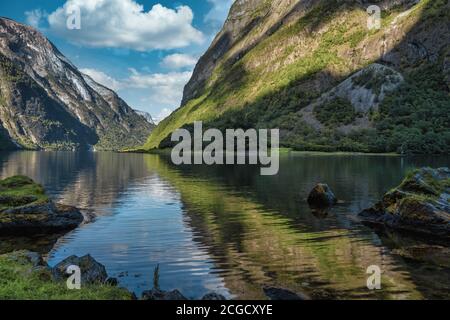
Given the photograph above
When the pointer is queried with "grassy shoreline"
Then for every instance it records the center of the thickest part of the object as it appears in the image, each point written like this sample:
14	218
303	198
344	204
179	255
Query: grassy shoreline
24	275
20	279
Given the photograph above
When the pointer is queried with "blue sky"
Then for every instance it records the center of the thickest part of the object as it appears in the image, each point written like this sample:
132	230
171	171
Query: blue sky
143	49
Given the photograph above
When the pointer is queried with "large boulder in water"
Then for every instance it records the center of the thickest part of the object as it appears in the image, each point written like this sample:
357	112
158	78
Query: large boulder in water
322	196
92	272
25	209
420	204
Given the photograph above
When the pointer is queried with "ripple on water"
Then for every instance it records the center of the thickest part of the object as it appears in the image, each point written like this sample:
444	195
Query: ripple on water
228	229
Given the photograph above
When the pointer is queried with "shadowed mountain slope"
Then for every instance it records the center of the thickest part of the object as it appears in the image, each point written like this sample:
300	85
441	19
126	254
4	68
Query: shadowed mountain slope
47	103
314	70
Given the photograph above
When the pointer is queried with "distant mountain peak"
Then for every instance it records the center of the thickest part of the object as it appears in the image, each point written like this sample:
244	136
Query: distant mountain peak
147	116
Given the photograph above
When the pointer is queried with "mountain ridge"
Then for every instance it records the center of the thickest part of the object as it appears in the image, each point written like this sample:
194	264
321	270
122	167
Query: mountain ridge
284	55
47	103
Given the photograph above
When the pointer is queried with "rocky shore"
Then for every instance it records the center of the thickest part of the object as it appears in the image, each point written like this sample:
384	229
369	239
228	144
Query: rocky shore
25	209
420	205
26	276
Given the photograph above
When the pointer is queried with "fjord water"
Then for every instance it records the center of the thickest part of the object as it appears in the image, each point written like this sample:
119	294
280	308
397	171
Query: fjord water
226	228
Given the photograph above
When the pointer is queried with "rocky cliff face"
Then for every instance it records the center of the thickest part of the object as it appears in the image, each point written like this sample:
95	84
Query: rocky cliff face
313	69
46	103
146	115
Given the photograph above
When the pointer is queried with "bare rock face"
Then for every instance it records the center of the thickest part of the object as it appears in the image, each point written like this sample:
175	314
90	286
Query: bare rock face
47	103
420	204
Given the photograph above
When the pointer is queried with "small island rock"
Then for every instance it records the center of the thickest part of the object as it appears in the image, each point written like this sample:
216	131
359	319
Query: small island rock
322	196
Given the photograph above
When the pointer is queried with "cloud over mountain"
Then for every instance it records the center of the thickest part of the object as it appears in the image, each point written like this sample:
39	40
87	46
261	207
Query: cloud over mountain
178	61
162	90
125	24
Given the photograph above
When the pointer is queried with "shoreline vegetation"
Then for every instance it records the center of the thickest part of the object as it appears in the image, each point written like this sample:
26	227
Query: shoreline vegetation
282	151
26	209
24	277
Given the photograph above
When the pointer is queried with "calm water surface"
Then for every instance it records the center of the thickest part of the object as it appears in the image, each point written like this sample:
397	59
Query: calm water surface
227	229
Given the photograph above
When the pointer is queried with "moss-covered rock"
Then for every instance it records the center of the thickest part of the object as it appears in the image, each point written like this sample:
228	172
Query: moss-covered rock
420	204
26	209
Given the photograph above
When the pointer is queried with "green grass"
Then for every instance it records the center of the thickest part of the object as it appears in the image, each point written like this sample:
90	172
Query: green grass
19	282
16	189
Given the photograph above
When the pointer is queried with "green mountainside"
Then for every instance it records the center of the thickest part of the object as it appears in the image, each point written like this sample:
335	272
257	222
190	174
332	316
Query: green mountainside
314	70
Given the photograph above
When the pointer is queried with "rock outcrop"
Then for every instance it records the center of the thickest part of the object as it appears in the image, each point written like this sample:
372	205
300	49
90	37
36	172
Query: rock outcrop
421	204
322	196
156	294
26	210
47	103
91	271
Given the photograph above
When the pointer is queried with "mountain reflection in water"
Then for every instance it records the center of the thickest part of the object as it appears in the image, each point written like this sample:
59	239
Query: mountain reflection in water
226	228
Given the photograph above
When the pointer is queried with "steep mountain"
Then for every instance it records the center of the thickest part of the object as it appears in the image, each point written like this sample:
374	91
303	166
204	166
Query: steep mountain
46	103
313	69
146	115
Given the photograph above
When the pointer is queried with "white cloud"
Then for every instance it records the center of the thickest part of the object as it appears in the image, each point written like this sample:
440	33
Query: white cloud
102	78
34	17
164	113
218	12
178	61
163	88
125	24
159	91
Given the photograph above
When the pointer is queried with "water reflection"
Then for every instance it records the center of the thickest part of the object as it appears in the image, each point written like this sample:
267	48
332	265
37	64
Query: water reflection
230	230
86	180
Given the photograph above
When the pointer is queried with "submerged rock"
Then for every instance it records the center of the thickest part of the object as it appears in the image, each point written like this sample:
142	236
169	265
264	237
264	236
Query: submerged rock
92	272
274	293
25	209
214	297
420	204
322	196
156	294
